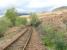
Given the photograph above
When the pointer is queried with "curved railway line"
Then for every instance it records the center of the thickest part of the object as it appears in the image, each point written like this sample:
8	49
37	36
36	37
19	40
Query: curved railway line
20	42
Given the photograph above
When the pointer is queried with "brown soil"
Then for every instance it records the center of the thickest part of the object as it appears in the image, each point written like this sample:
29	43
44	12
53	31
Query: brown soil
35	42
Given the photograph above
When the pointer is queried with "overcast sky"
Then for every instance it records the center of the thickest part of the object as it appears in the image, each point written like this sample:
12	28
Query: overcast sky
32	5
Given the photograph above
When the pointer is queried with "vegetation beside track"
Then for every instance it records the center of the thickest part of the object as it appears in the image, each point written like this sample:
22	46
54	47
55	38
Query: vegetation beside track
34	20
10	19
54	33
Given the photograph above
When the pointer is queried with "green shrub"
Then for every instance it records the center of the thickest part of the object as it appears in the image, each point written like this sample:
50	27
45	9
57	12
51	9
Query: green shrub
60	45
4	25
21	21
53	39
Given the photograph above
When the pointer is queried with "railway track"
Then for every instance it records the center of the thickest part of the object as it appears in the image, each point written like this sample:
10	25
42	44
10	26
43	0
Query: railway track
8	40
21	42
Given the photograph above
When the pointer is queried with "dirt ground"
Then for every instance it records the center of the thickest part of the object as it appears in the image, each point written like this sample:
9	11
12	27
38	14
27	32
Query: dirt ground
35	42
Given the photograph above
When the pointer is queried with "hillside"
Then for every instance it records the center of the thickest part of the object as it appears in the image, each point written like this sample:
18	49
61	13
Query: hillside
61	8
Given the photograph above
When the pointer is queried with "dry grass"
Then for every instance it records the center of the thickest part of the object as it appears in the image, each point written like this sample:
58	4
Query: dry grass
57	19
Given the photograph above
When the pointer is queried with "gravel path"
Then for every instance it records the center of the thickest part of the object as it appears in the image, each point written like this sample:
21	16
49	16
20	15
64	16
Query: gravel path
35	42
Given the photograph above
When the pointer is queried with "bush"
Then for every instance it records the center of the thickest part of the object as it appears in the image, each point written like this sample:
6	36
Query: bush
21	21
60	45
4	25
53	39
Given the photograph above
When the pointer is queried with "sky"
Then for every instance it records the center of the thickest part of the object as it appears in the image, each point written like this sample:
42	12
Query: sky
31	5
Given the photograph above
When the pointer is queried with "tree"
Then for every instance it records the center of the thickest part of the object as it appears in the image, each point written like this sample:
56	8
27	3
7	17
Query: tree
11	15
34	19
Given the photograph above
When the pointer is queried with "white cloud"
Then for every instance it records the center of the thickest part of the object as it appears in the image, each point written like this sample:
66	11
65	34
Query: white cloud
32	4
8	3
5	3
46	3
36	4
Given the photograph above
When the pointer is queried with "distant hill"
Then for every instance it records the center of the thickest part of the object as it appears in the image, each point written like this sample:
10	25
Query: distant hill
61	8
20	14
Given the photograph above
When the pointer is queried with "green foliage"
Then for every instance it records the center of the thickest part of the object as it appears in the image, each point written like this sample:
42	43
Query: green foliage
60	45
21	21
34	19
4	25
53	39
11	15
